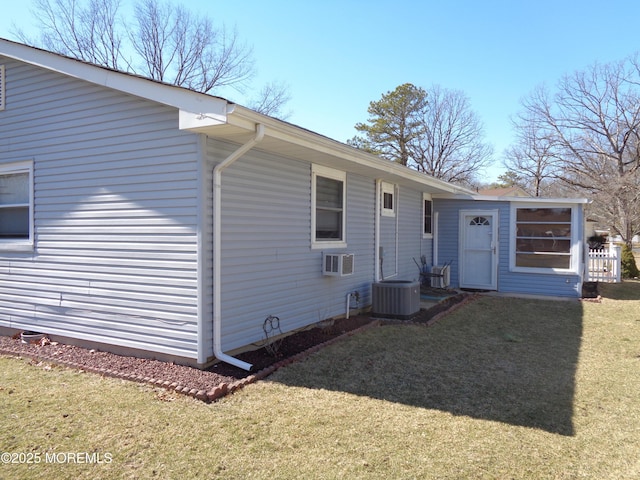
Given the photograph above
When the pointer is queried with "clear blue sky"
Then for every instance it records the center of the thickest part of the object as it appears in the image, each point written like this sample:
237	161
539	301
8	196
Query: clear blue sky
338	55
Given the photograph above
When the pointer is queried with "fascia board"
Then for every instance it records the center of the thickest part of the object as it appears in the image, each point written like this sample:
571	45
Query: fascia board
528	200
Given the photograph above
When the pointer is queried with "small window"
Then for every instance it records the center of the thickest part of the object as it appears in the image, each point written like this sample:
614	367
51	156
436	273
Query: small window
427	215
328	194
543	238
480	222
388	199
2	87
16	218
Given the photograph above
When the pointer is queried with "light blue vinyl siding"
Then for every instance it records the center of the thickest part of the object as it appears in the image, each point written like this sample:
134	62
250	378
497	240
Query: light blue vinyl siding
268	265
412	246
115	256
563	285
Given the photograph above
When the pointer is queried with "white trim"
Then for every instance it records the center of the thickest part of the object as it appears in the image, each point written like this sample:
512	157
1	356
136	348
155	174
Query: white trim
427	196
388	189
3	87
376	231
495	244
575	249
531	200
326	172
434	221
21	245
202	266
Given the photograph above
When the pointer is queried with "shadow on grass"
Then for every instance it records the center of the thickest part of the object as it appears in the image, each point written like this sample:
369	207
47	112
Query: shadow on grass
497	359
627	290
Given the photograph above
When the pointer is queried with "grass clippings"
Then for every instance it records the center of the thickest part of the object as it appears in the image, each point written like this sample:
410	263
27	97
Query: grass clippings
501	388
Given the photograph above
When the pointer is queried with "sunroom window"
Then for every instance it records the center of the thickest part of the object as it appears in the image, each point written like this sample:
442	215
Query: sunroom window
543	238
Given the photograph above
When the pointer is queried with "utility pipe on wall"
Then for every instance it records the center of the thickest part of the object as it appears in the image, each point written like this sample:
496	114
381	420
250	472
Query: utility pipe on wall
217	248
348	309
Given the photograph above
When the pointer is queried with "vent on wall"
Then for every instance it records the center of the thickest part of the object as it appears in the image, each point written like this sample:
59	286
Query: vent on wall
337	264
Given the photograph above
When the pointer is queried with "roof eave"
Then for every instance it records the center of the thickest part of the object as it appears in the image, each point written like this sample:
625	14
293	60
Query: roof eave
530	200
245	118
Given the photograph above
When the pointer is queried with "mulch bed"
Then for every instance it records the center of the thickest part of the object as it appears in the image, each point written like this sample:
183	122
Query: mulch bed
221	378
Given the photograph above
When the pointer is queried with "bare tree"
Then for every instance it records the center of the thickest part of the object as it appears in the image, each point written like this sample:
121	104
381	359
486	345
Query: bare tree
177	47
161	41
451	146
594	123
90	32
270	100
535	156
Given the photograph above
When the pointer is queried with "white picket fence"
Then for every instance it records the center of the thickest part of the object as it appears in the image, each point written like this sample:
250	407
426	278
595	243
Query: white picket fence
604	265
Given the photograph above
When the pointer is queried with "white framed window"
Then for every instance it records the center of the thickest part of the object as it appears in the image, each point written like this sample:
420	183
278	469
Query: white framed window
16	206
388	200
427	216
328	207
544	239
2	88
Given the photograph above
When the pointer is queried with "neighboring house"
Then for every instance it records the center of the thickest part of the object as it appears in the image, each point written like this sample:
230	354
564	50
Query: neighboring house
148	218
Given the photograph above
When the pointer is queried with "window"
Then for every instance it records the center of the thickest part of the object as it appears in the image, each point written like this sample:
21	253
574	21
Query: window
480	221
2	87
388	199
328	194
427	215
16	193
544	238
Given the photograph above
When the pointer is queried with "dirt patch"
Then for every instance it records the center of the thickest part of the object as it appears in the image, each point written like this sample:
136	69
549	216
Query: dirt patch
219	379
204	384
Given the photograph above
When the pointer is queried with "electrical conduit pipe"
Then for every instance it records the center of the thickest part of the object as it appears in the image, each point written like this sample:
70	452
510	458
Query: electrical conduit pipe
217	248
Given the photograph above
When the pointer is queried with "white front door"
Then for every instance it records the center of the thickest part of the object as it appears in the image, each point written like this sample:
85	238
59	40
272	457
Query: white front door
479	249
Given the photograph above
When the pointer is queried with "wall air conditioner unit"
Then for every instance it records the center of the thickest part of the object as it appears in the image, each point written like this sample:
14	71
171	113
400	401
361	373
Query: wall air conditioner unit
441	277
337	264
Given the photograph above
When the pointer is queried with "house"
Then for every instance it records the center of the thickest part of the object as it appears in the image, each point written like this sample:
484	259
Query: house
141	217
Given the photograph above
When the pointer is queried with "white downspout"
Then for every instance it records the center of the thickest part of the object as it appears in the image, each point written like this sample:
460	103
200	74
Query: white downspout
217	249
376	232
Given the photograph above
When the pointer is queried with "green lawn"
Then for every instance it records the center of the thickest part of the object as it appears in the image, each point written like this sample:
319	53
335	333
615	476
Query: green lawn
501	388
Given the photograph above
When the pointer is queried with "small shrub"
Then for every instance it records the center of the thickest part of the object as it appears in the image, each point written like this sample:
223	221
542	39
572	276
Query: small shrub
629	267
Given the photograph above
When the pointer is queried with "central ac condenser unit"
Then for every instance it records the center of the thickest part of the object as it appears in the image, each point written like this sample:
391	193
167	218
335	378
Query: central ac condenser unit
396	299
440	276
337	264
